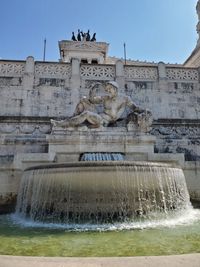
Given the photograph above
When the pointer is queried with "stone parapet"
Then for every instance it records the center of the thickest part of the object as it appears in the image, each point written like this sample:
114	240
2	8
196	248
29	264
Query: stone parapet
11	68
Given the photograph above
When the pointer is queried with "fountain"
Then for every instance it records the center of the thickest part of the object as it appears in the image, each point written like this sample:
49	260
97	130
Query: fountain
101	191
100	175
103	187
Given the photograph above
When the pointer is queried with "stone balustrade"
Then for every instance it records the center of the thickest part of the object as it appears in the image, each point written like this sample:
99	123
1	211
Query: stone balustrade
52	89
95	71
12	68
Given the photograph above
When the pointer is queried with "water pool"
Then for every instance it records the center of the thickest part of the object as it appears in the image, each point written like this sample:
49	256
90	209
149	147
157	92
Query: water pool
137	239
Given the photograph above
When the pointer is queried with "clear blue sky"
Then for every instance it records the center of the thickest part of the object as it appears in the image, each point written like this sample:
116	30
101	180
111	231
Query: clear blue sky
154	30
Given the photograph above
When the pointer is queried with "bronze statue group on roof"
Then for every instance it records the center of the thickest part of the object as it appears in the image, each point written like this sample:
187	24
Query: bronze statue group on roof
83	36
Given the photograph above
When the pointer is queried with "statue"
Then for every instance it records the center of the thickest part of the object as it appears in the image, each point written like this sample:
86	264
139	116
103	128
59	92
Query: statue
85	111
114	105
88	36
79	35
93	38
83	34
140	120
73	37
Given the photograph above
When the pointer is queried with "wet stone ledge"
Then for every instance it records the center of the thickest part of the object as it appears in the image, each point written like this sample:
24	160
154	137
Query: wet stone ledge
7	203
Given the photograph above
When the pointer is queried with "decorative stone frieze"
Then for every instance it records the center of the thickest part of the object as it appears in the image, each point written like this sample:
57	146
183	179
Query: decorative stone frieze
137	72
175	132
178	137
102	72
11	68
83	46
182	74
52	70
6	128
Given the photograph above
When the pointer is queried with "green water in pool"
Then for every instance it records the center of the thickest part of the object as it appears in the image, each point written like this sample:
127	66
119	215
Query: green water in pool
138	239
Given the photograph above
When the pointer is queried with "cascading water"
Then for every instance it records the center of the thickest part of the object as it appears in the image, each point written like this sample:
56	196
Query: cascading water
102	157
101	191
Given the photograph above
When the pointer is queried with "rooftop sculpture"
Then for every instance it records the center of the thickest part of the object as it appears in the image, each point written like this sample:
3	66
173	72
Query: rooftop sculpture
83	36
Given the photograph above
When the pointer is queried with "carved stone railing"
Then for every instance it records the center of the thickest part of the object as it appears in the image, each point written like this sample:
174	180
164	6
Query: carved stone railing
141	73
100	72
12	68
182	74
58	70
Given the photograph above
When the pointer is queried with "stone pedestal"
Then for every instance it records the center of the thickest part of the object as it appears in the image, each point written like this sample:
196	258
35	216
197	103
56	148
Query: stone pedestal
69	145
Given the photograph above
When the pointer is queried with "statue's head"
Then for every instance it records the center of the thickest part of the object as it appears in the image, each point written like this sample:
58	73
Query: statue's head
112	88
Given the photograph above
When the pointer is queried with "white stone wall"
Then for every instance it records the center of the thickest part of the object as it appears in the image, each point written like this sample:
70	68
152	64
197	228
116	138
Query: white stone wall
30	89
49	89
33	92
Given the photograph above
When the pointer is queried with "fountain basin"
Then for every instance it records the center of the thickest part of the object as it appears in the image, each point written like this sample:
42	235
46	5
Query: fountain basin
99	192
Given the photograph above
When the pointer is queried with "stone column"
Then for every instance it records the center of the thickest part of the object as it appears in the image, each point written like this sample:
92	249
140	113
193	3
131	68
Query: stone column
162	78
28	82
120	79
75	83
28	78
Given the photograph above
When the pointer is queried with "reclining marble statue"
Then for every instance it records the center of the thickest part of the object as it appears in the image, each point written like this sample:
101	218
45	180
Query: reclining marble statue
114	106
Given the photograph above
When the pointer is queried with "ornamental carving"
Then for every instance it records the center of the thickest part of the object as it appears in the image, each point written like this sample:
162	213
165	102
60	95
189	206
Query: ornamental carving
6	128
100	72
178	139
12	68
148	73
182	74
86	46
53	69
175	132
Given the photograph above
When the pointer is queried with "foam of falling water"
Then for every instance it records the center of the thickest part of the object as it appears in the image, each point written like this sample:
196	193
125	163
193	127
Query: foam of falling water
185	217
101	192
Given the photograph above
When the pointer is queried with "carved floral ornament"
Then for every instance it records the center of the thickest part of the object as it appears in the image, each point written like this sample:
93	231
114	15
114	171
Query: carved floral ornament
133	72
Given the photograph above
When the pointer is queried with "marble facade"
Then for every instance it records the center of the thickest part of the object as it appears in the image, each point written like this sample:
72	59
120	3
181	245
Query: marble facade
32	93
